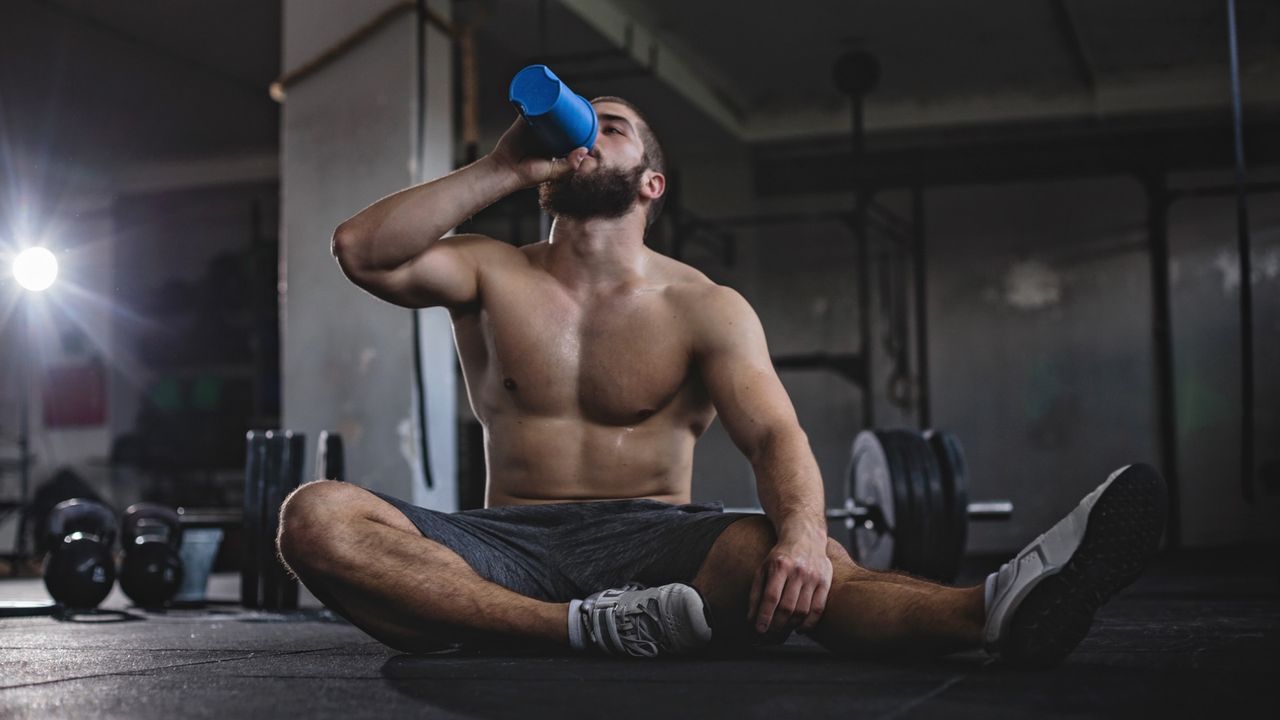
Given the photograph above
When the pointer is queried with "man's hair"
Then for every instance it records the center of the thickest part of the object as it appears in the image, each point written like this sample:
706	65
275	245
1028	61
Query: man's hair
654	158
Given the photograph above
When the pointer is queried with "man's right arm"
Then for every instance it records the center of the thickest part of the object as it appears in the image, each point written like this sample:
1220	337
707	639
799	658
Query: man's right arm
394	248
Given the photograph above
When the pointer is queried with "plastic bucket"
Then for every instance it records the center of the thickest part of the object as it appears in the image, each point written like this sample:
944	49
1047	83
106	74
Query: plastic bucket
199	548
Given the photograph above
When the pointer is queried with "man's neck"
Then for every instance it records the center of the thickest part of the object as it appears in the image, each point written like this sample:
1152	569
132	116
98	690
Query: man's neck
597	251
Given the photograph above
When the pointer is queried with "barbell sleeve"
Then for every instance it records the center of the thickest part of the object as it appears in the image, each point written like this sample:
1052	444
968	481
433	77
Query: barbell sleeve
991	510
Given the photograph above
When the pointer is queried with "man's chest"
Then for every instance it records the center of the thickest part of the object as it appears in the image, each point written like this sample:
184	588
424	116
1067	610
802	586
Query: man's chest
612	358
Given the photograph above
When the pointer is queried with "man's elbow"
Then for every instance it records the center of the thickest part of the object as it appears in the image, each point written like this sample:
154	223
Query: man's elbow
344	242
347	247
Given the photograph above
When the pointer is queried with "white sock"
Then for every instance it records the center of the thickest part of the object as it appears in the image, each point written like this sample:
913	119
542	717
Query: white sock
576	639
990	590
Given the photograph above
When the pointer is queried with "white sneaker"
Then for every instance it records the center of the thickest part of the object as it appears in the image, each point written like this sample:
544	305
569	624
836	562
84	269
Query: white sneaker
1044	599
645	622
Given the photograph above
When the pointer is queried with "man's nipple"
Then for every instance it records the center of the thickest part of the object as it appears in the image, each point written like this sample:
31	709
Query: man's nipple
509	384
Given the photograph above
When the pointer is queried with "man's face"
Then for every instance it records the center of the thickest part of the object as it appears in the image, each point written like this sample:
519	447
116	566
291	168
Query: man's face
608	182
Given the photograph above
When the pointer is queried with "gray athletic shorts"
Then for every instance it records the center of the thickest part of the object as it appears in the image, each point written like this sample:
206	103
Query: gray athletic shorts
566	551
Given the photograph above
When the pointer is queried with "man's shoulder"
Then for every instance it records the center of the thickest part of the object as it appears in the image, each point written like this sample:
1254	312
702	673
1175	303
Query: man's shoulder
484	246
492	258
701	301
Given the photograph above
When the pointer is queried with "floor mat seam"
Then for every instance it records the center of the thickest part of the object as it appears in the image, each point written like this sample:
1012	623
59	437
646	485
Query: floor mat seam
128	673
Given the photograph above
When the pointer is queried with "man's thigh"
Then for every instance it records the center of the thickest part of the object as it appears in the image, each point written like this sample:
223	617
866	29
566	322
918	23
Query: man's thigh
725	577
607	544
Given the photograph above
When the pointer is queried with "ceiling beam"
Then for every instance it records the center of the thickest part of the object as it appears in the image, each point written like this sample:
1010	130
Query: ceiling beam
1069	33
150	47
1189	90
657	58
1006	155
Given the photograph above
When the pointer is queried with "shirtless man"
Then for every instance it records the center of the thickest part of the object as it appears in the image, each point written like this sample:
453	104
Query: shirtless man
594	363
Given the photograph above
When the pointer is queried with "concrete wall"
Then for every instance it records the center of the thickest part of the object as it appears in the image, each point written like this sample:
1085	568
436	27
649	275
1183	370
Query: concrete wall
349	136
1040	341
1206	336
1039	311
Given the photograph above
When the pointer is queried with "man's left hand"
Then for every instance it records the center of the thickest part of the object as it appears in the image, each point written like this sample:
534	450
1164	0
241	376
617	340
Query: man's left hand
790	589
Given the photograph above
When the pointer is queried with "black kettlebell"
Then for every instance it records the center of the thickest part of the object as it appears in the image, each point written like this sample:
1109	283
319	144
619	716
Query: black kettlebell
79	569
151	572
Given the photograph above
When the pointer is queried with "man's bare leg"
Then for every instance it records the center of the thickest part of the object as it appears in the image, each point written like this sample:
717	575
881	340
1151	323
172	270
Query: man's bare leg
867	612
363	557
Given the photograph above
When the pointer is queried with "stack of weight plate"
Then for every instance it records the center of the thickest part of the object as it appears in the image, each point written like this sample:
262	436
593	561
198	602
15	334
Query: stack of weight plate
916	489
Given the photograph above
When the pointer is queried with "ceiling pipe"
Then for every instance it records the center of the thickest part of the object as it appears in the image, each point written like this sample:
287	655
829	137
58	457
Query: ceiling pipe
279	88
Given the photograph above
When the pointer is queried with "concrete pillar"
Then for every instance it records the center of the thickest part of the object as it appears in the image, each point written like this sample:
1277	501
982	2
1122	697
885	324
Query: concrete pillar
350	134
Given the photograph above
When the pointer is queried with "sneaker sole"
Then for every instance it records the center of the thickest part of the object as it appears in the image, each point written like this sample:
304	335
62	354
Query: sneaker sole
1123	530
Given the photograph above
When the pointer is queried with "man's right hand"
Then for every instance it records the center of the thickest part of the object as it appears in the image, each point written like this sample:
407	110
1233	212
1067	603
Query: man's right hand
518	151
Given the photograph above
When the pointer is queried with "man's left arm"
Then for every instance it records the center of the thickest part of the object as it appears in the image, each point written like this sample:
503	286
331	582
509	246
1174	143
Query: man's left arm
790	589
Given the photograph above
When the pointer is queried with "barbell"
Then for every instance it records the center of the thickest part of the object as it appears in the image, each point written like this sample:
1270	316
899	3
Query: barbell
907	503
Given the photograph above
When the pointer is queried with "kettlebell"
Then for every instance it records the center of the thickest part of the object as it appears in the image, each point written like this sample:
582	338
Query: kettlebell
79	569
151	571
560	119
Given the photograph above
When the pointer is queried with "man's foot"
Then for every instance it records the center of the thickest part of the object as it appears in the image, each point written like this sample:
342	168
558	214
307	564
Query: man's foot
1044	599
645	622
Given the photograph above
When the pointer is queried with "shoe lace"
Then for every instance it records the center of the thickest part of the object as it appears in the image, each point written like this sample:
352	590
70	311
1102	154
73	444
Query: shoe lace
640	627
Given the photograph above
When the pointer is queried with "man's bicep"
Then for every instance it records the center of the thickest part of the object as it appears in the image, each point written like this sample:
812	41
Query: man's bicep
739	375
446	273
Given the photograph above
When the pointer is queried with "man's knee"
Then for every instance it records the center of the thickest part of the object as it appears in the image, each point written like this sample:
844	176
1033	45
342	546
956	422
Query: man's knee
743	548
838	555
843	566
310	519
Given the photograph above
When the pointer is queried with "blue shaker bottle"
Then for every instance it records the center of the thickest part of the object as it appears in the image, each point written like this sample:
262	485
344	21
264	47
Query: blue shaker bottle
559	119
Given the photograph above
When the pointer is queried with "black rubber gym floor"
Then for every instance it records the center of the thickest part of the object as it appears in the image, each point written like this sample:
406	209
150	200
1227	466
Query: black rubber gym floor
1199	633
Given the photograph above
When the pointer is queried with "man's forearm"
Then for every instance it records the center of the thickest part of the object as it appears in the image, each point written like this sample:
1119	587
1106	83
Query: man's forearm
790	486
400	226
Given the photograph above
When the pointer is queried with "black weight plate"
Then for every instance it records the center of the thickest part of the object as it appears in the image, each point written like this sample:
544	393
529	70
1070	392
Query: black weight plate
907	550
255	469
869	483
915	542
900	490
904	516
913	557
330	464
947	449
291	471
269	589
931	505
950	454
936	536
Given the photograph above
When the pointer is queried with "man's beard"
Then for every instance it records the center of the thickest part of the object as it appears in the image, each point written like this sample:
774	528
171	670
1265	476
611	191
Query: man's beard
606	193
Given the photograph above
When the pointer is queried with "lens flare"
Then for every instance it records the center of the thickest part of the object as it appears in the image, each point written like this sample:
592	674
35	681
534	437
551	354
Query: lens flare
35	268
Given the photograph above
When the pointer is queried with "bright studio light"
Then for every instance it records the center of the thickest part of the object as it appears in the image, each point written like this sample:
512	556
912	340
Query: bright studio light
35	268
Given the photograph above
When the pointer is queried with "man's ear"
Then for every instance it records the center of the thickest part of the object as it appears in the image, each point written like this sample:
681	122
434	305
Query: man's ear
653	184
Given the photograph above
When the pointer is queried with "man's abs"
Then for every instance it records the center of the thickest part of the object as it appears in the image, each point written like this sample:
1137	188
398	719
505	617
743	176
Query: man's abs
536	460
